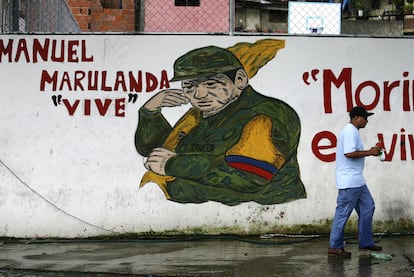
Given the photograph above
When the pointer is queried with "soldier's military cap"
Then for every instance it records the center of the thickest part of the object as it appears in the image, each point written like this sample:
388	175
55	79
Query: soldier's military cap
204	62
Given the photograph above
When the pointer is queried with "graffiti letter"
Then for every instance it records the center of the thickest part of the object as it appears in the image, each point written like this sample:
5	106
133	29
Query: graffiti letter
135	84
7	50
164	83
152	82
102	107
65	80
359	90
46	78
120	81
38	49
104	87
329	78
56	58
71	109
22	47
72	51
316	147
120	107
84	58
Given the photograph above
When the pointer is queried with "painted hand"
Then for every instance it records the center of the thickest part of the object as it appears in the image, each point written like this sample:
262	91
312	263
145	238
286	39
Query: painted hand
157	159
166	98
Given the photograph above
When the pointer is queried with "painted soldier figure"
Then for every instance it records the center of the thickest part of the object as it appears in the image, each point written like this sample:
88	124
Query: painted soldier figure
234	145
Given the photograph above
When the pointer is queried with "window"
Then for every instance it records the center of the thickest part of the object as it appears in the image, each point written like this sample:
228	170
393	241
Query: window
111	4
187	3
276	16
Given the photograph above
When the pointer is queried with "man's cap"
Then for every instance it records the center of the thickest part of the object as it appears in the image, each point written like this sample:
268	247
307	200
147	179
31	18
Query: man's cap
204	62
359	111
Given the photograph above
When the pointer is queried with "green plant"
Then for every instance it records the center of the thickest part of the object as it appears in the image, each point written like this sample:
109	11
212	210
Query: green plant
360	5
399	5
408	8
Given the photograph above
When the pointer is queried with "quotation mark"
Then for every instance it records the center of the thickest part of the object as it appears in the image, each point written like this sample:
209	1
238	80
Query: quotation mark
132	98
57	99
313	73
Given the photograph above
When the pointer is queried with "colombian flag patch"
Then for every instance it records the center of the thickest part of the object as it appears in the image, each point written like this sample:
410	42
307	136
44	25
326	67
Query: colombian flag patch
254	166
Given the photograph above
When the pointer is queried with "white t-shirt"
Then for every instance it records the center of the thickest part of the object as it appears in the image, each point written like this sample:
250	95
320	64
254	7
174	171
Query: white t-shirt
349	171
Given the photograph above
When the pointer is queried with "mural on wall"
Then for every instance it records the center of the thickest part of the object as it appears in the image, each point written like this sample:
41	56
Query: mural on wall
234	144
70	110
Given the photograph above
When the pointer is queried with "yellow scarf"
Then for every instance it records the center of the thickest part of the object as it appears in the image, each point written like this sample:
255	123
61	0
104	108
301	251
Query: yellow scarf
185	125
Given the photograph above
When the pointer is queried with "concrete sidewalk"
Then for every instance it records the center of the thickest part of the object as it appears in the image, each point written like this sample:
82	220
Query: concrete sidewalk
269	255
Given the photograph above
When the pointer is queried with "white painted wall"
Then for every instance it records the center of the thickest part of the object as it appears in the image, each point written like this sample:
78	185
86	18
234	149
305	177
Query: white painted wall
77	176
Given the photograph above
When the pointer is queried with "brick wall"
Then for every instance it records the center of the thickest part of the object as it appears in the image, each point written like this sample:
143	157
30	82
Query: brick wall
93	17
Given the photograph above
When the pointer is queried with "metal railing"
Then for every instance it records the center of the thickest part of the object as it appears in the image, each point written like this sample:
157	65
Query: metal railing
26	16
240	16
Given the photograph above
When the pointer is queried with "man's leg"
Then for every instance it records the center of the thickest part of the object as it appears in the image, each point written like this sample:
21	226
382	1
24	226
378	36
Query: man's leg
345	203
365	208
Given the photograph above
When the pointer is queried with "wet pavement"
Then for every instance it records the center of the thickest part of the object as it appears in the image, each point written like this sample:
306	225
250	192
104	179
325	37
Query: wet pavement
267	255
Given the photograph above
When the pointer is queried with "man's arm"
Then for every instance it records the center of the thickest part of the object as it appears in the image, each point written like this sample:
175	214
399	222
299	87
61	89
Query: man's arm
153	128
151	132
373	151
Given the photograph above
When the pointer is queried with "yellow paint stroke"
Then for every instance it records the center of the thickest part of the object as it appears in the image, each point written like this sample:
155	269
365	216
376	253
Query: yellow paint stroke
258	127
254	56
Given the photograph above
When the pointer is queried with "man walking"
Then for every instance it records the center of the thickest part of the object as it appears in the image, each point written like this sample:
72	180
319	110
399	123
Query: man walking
353	191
